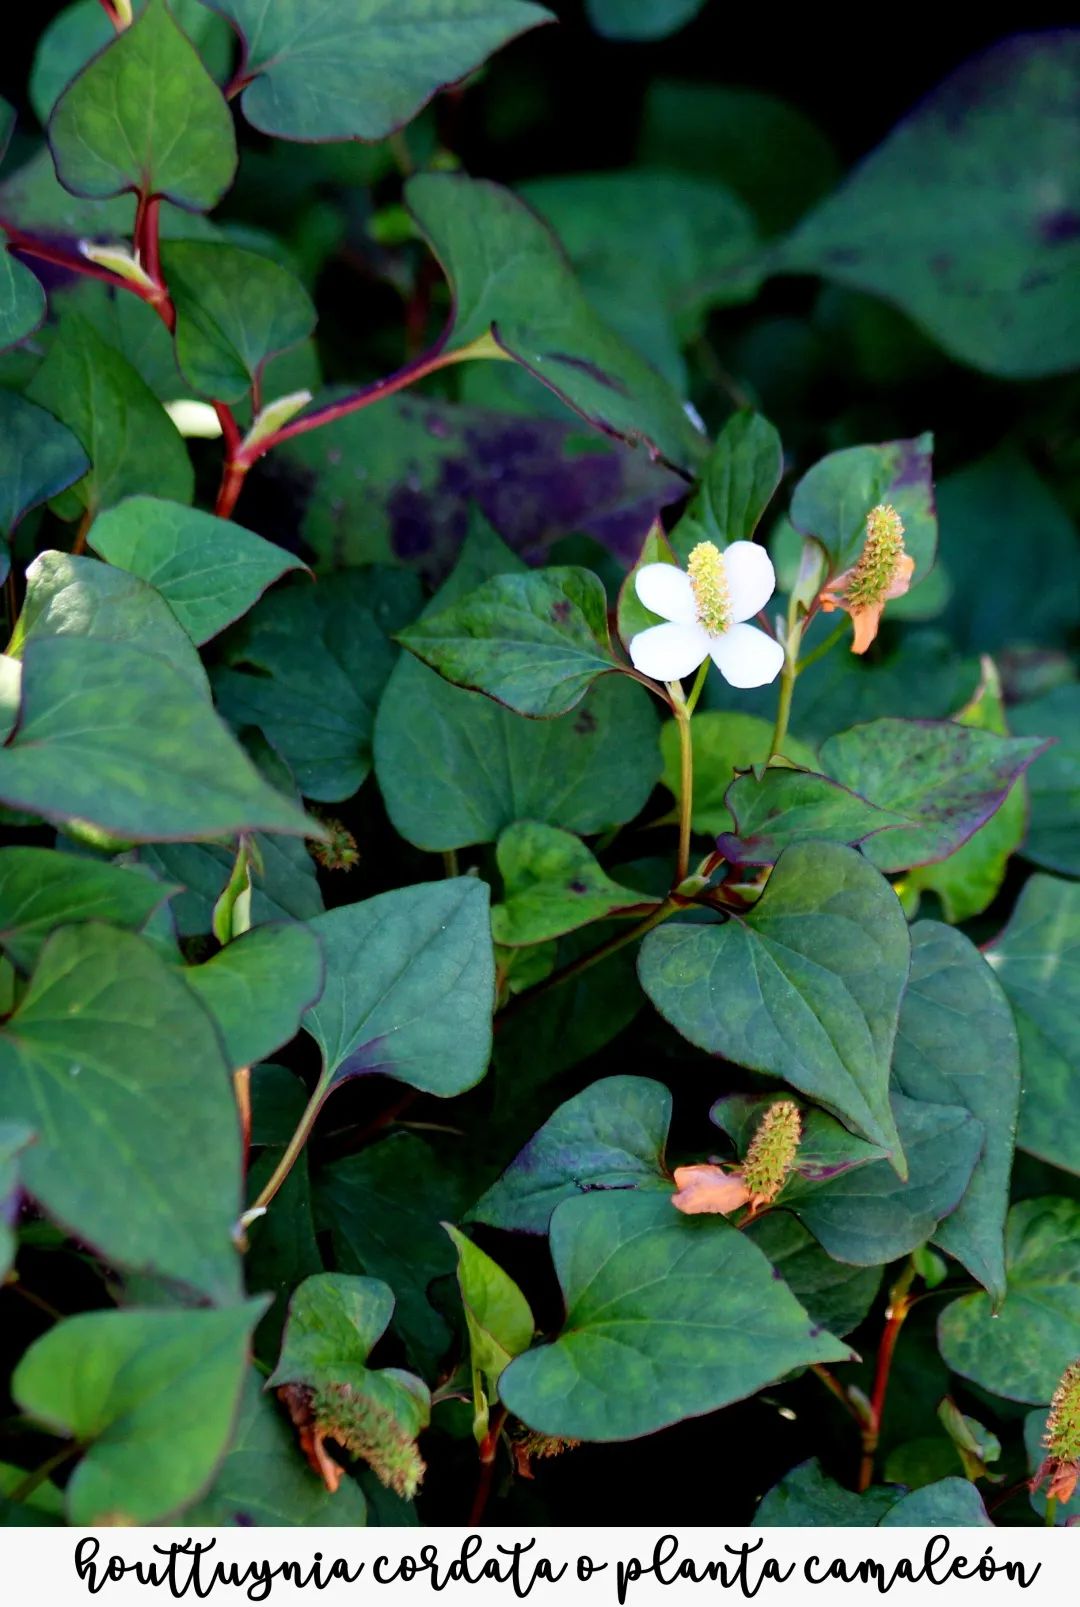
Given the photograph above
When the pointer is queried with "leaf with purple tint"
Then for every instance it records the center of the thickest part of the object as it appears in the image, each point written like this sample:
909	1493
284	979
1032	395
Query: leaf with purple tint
410	988
943	779
512	285
397	481
831	502
776	807
967	216
610	1136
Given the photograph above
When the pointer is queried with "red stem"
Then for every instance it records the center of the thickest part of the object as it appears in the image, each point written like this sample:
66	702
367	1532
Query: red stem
112	14
25	243
899	1306
488	1452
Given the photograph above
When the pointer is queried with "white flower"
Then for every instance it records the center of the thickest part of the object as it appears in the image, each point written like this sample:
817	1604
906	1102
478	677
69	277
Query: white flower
706	606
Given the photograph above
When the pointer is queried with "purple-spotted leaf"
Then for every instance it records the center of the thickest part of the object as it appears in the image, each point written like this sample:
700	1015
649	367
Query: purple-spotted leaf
410	987
773	808
944	780
667	1317
534	642
966	215
512	286
358	69
832	500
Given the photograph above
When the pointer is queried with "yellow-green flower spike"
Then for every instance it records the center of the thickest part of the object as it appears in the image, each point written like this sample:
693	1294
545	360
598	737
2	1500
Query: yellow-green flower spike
772	1152
708	579
1062	1438
876	569
372	1433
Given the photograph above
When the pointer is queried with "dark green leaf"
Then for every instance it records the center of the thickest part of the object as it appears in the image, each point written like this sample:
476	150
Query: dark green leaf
117	1068
610	1136
130	440
1022	1350
145	115
152	1394
409	988
14	1136
806	986
258	988
69	597
722	744
968	879
640	19
209	571
383	1208
951	1503
119	738
79	31
945	780
956	1044
806	1498
778	807
868	1216
962	216
352	70
512	284
41	890
264	1481
552	884
1053	783
740	476
39	457
234	311
667	1317
534	642
320	657
834	1295
831	502
22	300
456	769
1037	962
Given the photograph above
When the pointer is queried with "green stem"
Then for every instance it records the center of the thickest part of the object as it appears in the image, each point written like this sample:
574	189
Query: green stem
293	1149
33	1480
787	677
686	791
696	689
837	634
450	862
1051	1511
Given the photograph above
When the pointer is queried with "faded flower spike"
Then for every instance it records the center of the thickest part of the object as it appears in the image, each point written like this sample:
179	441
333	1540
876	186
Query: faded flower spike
339	852
705	608
1062	1439
370	1432
772	1152
883	572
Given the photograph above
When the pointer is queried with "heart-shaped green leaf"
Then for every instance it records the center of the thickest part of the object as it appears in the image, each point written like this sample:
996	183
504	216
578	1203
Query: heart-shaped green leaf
209	571
1037	961
145	115
667	1317
118	1069
779	807
806	986
130	440
258	988
234	311
353	70
1054	783
41	890
956	1044
319	658
39	457
455	769
834	1295
533	641
1021	1351
610	1136
511	284
409	991
552	884
945	780
122	740
831	502
151	1394
806	1498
